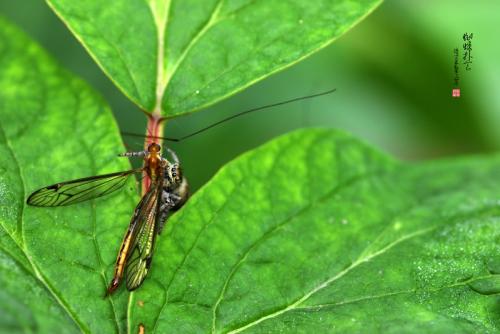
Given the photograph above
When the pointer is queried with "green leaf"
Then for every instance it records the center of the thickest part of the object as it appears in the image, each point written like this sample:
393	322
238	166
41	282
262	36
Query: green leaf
55	262
175	57
312	232
316	232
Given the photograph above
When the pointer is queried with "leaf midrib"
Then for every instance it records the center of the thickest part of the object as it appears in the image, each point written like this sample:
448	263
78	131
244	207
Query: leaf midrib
161	24
163	76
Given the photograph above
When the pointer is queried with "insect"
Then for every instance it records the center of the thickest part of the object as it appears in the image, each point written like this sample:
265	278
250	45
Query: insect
167	192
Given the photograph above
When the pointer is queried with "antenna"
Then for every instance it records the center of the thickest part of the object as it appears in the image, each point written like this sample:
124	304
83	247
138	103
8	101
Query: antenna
233	116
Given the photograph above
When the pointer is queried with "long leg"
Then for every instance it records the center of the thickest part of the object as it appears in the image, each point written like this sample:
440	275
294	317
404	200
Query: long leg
133	154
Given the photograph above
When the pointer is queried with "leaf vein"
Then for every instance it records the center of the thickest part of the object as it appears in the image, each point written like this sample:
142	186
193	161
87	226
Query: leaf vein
205	226
212	20
332	279
263	237
394	293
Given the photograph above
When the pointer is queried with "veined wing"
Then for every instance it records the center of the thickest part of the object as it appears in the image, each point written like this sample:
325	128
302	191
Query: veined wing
142	248
140	220
75	191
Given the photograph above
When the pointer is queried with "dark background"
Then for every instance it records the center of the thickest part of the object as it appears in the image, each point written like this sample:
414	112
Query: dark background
394	74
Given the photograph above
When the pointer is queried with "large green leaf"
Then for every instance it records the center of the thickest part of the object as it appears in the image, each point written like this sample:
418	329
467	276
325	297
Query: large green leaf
179	56
56	262
313	232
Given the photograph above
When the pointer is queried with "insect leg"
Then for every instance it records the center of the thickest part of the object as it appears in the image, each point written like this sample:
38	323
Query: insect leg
133	154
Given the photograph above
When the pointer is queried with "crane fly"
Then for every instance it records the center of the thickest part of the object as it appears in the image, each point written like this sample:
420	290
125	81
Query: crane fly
167	192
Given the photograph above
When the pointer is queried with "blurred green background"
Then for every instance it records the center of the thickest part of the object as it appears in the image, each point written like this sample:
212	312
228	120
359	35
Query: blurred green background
394	75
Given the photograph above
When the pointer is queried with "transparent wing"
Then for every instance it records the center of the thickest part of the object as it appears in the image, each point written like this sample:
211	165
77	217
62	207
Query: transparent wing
75	191
139	260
